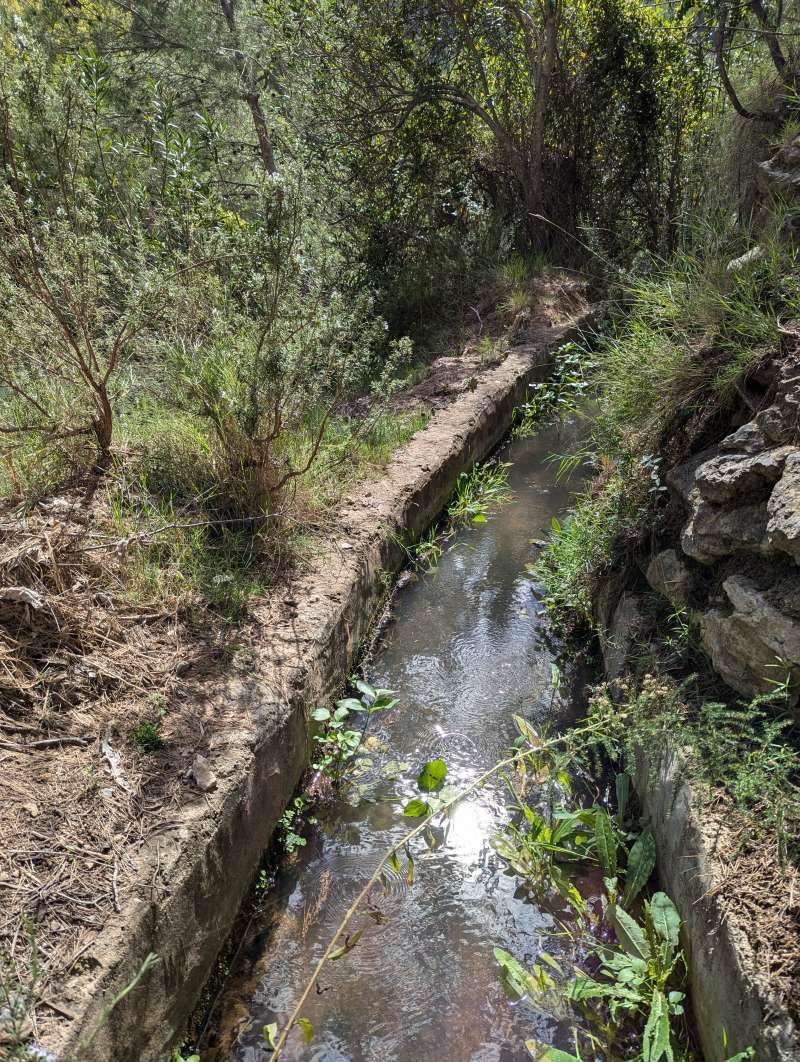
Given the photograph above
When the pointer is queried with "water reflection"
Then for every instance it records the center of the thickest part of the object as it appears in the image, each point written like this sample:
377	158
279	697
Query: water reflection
468	646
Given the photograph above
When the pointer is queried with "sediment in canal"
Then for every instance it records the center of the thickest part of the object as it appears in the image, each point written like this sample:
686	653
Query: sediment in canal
193	877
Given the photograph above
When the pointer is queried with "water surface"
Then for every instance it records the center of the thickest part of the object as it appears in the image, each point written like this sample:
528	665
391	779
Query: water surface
468	646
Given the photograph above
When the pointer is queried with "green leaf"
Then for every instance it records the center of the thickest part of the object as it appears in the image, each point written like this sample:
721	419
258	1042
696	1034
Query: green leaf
641	861
308	1029
321	715
350	942
270	1033
393	861
547	958
655	1042
365	688
606	843
352	704
666	920
479	519
517	981
417	809
527	731
623	786
629	933
544	1053
340	714
432	776
409	867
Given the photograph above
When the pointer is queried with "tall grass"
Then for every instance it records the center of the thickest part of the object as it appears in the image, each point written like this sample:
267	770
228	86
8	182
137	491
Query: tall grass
688	332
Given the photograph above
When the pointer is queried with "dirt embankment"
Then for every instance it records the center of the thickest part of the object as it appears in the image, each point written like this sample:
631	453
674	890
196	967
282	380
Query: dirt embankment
113	853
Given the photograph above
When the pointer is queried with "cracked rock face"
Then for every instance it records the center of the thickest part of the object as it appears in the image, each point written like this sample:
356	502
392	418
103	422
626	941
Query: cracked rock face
669	574
783	508
754	646
727	477
714	531
742	504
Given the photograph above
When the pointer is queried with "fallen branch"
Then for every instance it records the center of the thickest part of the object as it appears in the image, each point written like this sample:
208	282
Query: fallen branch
45	743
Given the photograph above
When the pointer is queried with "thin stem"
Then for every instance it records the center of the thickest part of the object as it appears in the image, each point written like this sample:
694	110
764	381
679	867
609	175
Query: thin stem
280	1043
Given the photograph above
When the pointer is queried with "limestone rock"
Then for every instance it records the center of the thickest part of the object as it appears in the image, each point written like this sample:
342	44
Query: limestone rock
201	774
756	644
780	422
783	508
669	575
731	475
627	625
680	479
749	439
713	532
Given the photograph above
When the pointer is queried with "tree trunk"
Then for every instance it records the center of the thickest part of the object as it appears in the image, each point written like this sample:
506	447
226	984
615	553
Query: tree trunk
250	90
543	75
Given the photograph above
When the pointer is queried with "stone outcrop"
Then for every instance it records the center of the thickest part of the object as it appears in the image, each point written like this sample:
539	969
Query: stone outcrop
669	574
741	512
628	625
755	645
783	509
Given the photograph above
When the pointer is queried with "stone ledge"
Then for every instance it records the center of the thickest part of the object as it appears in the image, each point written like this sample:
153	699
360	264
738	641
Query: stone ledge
726	991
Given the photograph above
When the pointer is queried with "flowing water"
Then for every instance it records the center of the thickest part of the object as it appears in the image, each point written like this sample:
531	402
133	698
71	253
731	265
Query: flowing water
467	646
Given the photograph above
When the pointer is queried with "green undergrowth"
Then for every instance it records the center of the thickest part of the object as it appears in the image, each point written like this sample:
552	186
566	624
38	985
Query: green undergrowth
742	756
476	494
189	539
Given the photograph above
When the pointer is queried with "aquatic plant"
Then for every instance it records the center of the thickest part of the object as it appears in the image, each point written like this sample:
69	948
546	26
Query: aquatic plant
559	395
478	491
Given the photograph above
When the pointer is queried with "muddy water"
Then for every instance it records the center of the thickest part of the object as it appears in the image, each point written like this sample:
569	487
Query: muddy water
468	646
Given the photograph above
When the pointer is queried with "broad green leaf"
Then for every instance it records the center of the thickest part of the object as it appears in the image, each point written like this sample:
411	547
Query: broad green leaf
555	677
517	981
655	1041
479	519
270	1033
641	861
340	714
352	704
321	715
417	809
432	776
606	843
365	688
629	933
544	1053
585	988
666	920
308	1029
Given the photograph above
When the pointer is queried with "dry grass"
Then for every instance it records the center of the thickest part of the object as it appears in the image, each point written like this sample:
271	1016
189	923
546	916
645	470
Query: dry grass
760	898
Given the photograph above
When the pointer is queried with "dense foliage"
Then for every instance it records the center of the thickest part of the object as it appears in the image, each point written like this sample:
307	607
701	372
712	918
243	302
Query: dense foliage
208	213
